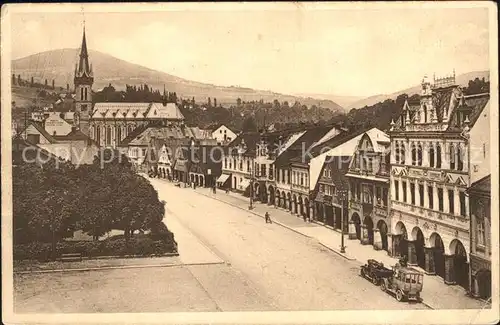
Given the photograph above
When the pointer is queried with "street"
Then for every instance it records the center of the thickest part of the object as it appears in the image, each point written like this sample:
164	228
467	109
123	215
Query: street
244	265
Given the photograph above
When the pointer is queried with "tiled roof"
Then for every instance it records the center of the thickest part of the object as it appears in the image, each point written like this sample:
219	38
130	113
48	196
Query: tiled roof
307	141
42	131
441	99
474	104
481	186
338	140
144	135
75	135
250	138
18	145
131	136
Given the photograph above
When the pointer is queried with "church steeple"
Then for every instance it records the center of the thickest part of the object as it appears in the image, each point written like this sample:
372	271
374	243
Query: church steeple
84	79
84	69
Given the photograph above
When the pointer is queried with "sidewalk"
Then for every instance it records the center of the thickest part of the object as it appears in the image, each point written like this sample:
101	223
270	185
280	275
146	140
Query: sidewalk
435	293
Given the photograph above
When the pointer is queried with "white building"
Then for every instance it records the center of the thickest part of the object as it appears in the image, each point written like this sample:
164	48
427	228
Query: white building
223	135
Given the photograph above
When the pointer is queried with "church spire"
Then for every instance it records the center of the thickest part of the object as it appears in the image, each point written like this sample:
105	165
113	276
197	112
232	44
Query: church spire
83	68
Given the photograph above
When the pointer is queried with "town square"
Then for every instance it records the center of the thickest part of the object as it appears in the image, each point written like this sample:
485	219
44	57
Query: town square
138	190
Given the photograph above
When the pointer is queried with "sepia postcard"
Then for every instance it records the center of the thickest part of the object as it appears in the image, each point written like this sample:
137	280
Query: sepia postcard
250	163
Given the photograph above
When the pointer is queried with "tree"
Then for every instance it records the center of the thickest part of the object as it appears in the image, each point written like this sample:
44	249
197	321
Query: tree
32	82
249	124
53	84
215	102
477	86
209	102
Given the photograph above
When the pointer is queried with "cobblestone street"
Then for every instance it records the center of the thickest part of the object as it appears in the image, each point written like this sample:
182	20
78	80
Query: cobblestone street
436	294
231	261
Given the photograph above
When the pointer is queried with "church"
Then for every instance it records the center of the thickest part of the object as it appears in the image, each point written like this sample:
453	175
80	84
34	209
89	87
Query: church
109	123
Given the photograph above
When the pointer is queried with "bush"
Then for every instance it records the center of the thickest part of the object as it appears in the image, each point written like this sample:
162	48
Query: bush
160	242
86	248
33	251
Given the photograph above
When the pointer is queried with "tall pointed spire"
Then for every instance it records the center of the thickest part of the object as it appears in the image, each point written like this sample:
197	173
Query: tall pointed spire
83	65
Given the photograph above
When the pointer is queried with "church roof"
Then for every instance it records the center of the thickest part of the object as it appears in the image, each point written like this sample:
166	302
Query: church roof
130	111
83	68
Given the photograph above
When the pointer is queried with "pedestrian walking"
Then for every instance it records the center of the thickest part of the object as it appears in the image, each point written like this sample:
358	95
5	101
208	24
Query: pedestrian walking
214	190
268	218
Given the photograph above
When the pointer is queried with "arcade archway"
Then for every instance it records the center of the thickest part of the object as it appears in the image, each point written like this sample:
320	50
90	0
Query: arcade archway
289	200
271	196
382	227
438	252
301	206
368	229
307	208
295	203
357	224
460	265
400	240
278	198
419	243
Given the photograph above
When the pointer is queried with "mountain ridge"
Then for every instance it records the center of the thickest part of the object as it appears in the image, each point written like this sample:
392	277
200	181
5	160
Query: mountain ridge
59	65
461	80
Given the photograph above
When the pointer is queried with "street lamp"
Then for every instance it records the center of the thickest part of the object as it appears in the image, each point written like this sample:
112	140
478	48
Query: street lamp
250	207
342	194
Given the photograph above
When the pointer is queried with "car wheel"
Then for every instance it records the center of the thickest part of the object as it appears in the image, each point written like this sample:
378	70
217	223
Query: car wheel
375	281
399	295
362	272
382	286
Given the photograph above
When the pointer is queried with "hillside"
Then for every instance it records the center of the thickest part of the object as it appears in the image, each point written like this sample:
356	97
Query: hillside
60	65
461	79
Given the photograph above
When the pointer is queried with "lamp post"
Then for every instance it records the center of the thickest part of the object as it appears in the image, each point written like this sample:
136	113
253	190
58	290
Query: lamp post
250	207
342	195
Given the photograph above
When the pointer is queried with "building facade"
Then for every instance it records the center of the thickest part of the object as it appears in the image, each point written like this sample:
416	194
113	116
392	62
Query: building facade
429	177
238	163
480	254
369	191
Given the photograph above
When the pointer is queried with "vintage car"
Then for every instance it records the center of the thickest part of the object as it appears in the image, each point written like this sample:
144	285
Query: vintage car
406	283
375	271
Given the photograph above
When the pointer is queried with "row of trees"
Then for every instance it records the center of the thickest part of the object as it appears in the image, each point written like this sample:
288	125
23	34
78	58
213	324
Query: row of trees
141	93
18	81
52	202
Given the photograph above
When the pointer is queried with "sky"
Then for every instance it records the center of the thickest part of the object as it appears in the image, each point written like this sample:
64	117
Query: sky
290	48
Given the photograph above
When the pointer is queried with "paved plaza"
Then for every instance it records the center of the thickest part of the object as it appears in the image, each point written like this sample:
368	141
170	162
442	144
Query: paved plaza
230	260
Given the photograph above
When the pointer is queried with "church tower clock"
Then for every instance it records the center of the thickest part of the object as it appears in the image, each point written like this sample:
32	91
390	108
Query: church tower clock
84	78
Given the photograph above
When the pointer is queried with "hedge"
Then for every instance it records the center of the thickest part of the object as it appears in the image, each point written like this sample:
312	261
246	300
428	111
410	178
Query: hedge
160	242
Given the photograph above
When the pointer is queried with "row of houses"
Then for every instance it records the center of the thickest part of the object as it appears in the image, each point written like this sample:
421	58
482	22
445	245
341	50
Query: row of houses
420	189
